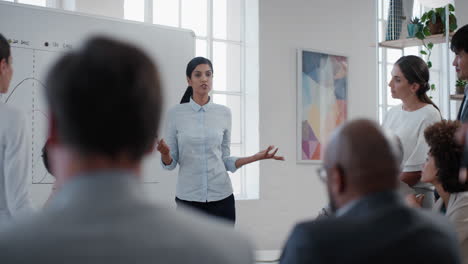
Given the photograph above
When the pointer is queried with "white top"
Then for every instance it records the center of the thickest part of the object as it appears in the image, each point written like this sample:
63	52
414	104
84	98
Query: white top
457	213
14	165
409	127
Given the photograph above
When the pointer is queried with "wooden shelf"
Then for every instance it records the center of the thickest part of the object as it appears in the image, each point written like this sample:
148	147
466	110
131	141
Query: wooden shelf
458	97
413	42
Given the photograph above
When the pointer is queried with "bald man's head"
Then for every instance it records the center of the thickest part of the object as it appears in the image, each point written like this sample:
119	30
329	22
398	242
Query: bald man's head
360	154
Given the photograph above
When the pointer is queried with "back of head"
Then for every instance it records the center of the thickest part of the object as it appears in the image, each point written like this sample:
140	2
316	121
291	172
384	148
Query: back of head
416	70
361	150
105	99
4	48
447	154
460	40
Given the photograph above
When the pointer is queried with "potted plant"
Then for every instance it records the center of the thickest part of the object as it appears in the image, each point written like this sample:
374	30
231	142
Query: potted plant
434	20
414	26
460	84
434	23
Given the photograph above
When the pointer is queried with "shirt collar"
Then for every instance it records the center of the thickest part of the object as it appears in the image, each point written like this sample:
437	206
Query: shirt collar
369	203
346	208
97	187
196	107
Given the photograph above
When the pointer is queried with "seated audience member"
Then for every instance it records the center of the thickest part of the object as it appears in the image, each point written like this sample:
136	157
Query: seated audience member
371	224
441	169
105	103
397	150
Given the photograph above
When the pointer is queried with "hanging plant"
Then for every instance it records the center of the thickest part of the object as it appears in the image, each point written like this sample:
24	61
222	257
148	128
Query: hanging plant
434	23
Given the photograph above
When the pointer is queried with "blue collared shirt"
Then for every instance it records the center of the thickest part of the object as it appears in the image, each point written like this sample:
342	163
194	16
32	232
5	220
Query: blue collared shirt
199	139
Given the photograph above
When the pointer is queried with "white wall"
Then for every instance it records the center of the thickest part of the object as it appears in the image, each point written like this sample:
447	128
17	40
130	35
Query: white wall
290	192
461	11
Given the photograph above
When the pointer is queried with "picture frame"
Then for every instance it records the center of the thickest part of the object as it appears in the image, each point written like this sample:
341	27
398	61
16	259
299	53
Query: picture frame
322	100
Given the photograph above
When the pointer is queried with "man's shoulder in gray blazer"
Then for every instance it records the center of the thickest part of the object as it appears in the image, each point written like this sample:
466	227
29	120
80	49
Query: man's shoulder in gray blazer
376	230
104	219
463	111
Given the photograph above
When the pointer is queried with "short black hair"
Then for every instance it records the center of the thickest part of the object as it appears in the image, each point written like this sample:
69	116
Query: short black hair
460	40
106	99
5	52
45	157
447	154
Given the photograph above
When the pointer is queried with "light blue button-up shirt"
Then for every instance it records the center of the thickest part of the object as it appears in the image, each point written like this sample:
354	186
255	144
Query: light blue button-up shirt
199	138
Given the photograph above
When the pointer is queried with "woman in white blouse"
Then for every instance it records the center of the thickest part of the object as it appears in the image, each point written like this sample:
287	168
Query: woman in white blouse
410	84
198	139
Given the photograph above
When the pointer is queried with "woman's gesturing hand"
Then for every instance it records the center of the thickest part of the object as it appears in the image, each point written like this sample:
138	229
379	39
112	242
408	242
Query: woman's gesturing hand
265	154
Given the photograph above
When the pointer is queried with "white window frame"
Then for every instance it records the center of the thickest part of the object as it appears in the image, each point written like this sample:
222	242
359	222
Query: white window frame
49	3
249	187
436	70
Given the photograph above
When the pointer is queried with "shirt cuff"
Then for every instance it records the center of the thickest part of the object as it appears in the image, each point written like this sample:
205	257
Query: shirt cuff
230	164
170	166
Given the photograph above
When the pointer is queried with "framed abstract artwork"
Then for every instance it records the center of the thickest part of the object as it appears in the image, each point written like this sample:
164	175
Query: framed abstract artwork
322	89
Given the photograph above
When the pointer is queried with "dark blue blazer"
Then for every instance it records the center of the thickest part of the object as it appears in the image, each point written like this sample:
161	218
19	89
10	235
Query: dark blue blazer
378	229
463	111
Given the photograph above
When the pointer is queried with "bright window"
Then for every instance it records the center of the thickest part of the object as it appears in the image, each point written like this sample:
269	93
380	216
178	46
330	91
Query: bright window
33	2
220	36
387	57
166	12
134	10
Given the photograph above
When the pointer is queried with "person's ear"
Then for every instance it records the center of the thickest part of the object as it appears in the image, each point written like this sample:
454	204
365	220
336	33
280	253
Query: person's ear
337	180
189	81
3	65
415	87
52	133
152	147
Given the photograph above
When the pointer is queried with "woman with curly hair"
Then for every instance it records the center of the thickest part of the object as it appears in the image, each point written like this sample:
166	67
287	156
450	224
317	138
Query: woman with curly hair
441	169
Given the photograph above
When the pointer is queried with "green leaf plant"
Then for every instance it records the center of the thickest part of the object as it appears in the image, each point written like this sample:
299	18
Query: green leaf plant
434	23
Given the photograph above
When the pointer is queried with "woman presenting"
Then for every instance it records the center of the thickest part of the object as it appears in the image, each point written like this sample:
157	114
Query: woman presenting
198	139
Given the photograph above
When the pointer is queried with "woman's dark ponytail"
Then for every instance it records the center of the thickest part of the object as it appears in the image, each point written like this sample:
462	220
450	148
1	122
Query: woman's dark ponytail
422	95
187	95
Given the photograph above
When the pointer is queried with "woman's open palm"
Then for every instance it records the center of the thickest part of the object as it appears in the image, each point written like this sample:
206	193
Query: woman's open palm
265	154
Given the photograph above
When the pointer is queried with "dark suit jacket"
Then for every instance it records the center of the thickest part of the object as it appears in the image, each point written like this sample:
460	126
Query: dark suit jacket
463	111
378	229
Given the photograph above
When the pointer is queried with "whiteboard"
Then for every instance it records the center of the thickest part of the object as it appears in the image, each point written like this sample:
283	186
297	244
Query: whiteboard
40	35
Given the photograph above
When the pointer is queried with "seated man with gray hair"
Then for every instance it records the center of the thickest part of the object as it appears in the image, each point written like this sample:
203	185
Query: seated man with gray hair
371	223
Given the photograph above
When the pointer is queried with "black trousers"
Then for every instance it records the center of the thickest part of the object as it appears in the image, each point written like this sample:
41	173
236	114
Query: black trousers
225	208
